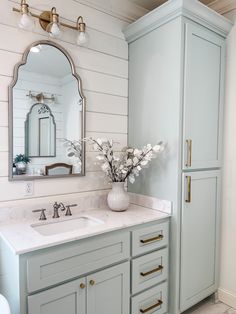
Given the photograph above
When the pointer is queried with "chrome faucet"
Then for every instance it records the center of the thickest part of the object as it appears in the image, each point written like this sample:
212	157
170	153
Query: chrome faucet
56	208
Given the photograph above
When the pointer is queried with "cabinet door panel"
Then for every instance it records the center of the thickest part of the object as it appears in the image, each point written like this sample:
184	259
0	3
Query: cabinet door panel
109	292
203	98
67	298
199	238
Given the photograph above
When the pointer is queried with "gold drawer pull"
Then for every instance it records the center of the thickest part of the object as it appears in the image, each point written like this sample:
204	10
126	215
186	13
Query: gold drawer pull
158	238
189	183
92	282
159	303
159	268
189	153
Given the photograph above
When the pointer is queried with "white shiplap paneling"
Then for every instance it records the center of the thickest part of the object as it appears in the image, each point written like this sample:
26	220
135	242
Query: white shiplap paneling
103	67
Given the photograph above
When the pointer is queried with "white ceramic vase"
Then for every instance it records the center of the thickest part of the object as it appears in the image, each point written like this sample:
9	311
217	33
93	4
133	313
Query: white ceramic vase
118	198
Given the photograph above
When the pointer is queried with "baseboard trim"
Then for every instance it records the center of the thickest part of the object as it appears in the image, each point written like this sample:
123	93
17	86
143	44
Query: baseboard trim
227	297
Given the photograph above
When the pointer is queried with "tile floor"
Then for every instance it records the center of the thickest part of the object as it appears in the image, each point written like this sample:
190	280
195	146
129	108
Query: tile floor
208	306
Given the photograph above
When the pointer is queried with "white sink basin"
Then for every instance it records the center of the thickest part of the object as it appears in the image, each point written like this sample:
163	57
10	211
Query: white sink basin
62	226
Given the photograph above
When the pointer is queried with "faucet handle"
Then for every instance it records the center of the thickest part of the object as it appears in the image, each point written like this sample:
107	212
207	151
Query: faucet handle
42	215
68	209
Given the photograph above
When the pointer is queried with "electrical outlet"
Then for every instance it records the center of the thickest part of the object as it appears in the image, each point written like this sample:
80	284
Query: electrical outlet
29	188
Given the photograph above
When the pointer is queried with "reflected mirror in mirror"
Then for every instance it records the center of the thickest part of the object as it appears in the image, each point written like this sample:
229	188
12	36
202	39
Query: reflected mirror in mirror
46	107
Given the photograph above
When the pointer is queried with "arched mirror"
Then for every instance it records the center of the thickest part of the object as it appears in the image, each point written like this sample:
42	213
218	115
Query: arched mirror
46	115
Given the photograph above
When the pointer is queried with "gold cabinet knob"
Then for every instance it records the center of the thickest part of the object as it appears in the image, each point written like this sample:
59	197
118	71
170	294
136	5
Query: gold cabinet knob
92	282
82	285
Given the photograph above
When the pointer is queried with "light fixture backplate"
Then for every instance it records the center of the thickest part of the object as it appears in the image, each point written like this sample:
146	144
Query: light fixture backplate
44	19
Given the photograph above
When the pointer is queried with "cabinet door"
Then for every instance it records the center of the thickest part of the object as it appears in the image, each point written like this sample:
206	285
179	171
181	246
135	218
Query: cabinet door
203	98
68	298
108	291
199	236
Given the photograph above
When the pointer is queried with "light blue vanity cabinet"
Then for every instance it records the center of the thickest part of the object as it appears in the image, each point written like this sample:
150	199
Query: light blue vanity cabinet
119	272
176	92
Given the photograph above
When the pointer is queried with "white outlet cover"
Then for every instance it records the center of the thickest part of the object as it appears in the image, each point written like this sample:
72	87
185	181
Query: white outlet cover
29	188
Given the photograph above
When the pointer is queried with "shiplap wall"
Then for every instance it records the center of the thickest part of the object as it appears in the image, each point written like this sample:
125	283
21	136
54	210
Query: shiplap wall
103	68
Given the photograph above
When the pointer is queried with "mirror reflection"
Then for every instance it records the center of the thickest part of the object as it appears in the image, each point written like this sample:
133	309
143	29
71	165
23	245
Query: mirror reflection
48	113
40	132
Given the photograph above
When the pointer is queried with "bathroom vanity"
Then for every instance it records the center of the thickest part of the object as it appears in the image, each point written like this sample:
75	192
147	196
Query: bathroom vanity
118	266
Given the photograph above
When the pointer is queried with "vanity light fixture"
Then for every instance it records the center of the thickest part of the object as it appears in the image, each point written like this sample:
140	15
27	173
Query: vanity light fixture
26	21
49	21
41	97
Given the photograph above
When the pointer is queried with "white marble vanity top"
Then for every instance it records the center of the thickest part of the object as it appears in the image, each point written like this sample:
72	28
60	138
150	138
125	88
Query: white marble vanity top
22	238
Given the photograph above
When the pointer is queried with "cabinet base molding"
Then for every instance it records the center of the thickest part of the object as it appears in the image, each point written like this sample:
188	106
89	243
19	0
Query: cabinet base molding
227	297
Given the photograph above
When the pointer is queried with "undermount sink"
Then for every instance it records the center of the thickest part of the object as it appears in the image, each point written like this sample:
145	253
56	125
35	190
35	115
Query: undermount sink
67	225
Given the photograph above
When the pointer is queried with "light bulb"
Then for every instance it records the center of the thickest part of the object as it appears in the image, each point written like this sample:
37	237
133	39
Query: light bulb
82	39
55	31
26	22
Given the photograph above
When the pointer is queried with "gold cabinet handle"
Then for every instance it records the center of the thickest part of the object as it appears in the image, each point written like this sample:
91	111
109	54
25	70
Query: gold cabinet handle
159	268
158	238
82	286
189	188
92	282
189	153
159	303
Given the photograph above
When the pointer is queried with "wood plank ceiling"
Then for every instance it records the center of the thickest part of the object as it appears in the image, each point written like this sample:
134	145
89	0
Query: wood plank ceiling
152	4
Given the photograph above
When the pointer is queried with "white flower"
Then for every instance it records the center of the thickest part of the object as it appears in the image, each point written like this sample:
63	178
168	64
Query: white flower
137	152
131	179
129	162
130	150
144	162
135	160
156	148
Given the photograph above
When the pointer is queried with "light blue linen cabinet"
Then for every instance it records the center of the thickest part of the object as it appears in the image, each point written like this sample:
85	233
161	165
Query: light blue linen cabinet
176	93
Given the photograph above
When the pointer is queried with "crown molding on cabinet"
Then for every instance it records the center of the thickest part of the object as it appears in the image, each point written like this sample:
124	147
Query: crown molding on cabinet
223	7
172	9
122	9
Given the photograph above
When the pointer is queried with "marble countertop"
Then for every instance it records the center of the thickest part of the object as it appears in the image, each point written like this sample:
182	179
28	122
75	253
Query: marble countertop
22	238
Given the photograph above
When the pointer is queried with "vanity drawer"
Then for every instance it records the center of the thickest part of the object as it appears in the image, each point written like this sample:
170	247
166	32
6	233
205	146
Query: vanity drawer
152	301
69	261
149	270
150	238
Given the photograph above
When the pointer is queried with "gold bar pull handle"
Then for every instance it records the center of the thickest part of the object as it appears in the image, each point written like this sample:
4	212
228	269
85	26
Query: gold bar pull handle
189	183
189	153
157	238
159	268
159	303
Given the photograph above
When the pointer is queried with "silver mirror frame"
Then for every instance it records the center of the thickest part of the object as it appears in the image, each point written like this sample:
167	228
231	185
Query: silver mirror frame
10	112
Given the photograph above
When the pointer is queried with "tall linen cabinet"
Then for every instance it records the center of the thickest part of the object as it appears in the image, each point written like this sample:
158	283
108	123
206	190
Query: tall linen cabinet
176	94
